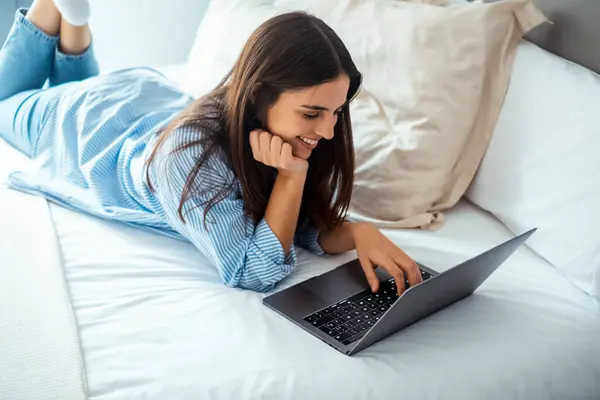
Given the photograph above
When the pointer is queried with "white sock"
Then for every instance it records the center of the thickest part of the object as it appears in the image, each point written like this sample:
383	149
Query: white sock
76	12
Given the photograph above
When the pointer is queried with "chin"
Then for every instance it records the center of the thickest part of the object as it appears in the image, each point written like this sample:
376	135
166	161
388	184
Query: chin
302	153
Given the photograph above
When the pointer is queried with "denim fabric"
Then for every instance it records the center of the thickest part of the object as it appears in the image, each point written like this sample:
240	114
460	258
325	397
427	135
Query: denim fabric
32	70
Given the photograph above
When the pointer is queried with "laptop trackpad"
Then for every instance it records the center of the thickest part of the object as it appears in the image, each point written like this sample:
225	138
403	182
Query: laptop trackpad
338	284
319	292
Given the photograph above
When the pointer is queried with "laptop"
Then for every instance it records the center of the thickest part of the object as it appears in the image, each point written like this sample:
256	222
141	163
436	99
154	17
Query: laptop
340	309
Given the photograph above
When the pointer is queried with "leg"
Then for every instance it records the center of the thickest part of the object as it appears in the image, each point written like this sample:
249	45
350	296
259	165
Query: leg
74	39
23	116
27	56
20	117
74	59
45	15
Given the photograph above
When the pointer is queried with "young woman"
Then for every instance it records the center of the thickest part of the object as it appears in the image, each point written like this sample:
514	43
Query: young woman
260	165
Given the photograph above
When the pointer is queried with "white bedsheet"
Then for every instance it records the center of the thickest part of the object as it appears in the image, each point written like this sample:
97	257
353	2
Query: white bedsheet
155	322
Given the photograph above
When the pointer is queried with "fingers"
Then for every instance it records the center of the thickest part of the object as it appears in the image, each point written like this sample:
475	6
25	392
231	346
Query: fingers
286	156
264	139
255	144
271	150
275	151
266	147
409	267
390	266
369	270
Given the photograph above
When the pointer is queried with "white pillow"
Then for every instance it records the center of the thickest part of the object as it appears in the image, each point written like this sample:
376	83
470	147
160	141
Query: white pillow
224	30
542	167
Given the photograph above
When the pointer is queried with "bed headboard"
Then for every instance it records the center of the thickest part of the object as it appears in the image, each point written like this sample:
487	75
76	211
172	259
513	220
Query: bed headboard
574	33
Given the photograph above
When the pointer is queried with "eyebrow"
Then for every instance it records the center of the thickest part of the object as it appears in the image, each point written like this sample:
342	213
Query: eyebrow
318	108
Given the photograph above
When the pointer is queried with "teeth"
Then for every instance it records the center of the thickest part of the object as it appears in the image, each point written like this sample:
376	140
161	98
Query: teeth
311	142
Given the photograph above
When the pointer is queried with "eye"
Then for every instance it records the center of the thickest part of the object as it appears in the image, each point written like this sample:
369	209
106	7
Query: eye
310	116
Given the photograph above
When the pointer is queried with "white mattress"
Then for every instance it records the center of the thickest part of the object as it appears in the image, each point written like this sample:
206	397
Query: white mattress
39	345
155	322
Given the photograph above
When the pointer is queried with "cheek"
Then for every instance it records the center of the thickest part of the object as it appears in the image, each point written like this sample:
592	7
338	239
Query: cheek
287	126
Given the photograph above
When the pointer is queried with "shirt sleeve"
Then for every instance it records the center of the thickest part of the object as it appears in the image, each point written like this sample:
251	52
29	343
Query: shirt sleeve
247	254
308	238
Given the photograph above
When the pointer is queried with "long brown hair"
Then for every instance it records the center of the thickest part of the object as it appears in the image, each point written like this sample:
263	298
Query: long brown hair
290	51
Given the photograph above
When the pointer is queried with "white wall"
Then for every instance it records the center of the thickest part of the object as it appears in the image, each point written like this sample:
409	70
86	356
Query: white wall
144	32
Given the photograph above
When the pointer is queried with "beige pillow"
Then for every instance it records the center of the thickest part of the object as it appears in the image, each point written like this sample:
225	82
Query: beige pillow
434	82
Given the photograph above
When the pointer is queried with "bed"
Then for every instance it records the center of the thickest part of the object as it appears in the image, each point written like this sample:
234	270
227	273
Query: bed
94	309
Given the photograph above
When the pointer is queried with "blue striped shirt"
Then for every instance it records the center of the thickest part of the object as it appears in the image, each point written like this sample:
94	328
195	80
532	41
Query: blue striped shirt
90	156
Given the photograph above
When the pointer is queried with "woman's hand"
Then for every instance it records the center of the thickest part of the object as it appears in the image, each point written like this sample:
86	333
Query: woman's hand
374	249
271	150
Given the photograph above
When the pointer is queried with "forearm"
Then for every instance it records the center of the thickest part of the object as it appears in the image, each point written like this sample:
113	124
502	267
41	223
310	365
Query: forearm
284	206
338	240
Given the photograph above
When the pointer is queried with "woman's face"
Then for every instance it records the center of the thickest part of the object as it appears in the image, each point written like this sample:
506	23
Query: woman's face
305	116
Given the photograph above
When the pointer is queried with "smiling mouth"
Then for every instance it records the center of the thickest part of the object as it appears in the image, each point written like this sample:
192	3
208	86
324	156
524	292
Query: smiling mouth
310	143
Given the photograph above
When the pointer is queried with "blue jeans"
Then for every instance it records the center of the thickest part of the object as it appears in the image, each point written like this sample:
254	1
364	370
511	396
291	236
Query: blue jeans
33	72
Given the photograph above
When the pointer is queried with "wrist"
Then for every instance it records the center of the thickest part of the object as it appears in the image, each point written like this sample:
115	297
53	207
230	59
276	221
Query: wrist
293	176
357	227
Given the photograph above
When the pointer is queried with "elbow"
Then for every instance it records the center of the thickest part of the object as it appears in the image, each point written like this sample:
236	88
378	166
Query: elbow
259	276
259	288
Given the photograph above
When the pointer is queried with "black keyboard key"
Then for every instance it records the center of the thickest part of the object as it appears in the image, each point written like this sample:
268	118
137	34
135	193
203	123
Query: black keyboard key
373	305
361	303
353	331
381	301
340	321
336	314
318	315
350	324
343	336
369	299
356	313
375	313
369	323
365	309
376	319
361	328
359	321
322	321
331	325
341	328
310	319
366	317
383	308
326	311
353	307
348	317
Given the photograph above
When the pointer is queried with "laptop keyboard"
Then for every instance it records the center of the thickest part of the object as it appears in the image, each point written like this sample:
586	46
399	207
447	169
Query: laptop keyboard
348	320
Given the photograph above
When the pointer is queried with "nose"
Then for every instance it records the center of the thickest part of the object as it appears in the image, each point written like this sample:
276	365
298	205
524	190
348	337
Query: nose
325	127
